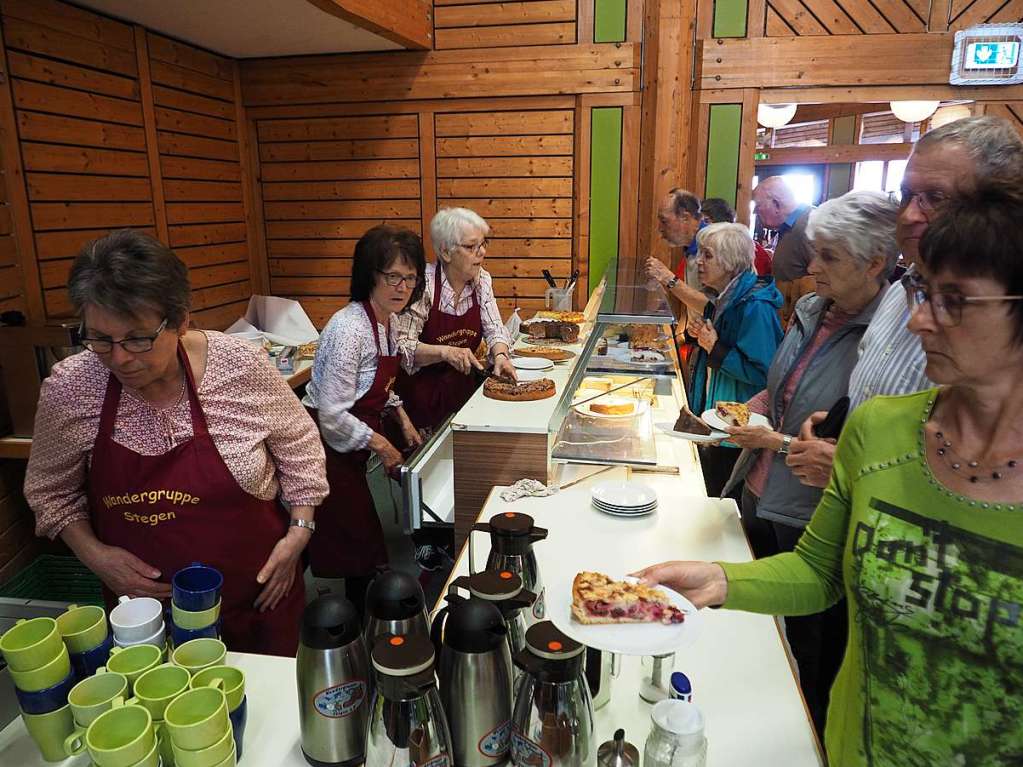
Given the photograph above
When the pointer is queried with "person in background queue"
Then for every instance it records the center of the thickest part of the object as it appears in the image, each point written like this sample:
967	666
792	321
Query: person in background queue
679	218
737	335
158	444
776	207
350	396
921	524
717	211
854	252
439	336
946	162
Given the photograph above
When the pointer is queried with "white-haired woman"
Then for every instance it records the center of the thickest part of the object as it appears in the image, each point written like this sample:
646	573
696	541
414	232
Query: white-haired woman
439	335
738	333
854	253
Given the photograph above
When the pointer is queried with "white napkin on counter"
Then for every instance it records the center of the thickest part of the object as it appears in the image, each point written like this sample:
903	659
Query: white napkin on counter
279	320
526	487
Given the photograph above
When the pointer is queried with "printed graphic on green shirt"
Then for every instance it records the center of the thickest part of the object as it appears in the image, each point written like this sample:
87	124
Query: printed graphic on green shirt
942	640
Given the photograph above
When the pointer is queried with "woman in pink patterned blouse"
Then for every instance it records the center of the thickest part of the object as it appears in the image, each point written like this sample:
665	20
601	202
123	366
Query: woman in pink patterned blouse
160	445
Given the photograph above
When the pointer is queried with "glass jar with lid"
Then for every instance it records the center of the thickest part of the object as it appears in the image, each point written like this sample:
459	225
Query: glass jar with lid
676	738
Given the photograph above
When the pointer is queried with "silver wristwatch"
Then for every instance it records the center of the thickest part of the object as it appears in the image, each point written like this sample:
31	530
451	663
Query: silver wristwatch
786	441
307	524
671	283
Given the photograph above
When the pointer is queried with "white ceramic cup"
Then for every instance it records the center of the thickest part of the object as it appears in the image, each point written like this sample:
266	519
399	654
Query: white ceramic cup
159	638
136	620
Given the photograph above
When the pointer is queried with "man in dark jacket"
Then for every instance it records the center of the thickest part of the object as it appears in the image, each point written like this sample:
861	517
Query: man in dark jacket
776	208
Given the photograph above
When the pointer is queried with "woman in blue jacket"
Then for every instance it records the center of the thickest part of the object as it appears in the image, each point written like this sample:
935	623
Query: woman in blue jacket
737	333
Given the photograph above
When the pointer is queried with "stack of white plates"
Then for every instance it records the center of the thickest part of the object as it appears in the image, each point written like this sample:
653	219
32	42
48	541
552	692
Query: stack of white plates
624	499
532	368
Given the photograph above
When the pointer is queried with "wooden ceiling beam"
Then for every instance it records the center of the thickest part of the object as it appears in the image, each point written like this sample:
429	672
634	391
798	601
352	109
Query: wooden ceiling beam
819	155
408	23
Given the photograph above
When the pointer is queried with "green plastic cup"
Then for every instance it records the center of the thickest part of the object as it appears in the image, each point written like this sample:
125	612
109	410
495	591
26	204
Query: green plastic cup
53	672
187	619
199	654
205	757
198	719
233	679
134	661
156	688
31	644
83	628
49	731
90	698
121	737
152	759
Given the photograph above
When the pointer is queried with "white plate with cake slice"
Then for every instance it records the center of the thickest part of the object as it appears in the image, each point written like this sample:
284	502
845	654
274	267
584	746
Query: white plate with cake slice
667	427
715	421
607	600
613	407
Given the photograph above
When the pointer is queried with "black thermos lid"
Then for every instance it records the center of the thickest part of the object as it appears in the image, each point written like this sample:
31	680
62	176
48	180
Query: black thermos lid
394	596
329	622
474	626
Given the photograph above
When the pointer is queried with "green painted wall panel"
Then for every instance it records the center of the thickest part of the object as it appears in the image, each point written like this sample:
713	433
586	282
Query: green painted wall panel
605	189
609	21
840	179
730	18
723	151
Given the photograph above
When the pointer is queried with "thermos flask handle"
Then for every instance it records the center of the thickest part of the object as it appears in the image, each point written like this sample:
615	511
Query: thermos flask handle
437	628
479	527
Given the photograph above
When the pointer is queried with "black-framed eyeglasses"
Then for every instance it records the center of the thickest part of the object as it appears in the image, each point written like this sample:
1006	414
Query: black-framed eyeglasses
393	279
475	248
133	344
927	200
946	307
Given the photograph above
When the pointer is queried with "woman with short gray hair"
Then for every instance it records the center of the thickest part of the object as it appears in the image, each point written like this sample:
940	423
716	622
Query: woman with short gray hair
158	444
440	334
854	246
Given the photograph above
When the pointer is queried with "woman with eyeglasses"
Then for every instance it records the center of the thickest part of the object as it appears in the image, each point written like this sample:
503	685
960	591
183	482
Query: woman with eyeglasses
161	445
440	335
921	525
350	395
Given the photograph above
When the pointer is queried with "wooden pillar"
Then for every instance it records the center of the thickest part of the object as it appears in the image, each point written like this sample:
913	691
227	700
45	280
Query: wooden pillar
665	152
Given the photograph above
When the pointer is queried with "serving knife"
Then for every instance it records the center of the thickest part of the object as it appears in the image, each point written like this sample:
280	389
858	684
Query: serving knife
550	280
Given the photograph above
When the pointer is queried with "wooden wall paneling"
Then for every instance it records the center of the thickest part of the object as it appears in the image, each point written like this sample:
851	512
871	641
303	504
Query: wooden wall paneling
18	544
152	150
409	106
428	178
584	21
316	209
485	73
628	230
82	128
22	289
252	199
747	148
756	18
581	201
634	21
704	19
517	169
203	176
532	22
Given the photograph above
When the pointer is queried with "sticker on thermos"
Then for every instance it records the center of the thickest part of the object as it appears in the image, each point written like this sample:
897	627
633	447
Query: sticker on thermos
341	700
539	609
495	743
526	752
441	760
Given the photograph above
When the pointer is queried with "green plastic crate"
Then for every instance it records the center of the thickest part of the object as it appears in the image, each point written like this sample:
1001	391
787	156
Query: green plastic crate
55	578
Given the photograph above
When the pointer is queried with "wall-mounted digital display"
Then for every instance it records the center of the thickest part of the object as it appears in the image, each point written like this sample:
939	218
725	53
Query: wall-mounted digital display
987	54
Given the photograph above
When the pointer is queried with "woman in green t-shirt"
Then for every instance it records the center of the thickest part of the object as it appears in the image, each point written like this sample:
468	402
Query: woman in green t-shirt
921	526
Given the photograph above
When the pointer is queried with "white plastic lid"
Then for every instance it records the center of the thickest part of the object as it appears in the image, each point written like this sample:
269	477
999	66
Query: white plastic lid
678	717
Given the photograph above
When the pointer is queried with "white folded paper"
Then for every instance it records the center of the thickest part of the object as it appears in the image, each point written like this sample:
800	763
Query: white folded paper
278	320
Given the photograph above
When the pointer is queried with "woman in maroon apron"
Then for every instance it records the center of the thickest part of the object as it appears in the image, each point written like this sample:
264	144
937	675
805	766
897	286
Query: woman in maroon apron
350	397
161	446
443	330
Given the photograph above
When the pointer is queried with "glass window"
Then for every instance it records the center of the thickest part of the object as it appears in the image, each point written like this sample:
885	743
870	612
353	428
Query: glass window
896	170
869	176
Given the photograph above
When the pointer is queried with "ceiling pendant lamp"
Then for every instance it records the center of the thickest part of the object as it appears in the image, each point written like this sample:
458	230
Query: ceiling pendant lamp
913	111
775	115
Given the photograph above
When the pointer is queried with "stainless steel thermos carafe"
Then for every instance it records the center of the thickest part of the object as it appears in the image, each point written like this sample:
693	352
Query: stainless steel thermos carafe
395	605
552	722
505	590
512	536
407	726
475	679
334	683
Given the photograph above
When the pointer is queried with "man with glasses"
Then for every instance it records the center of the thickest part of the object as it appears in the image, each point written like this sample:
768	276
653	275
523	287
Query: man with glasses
945	162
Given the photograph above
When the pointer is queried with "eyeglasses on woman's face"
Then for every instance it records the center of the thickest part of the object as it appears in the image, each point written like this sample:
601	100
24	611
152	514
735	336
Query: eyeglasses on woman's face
474	248
947	307
133	344
394	279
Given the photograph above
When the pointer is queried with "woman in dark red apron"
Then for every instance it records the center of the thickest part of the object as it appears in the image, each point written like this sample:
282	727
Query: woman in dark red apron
350	397
445	346
141	476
